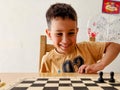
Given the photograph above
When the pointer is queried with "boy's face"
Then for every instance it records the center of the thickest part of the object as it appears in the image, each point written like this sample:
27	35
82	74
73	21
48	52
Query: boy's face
63	33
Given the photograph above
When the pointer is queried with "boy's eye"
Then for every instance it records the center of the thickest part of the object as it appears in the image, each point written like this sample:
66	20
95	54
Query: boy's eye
71	33
59	34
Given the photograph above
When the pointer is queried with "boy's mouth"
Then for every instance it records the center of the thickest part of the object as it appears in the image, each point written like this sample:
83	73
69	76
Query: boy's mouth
64	47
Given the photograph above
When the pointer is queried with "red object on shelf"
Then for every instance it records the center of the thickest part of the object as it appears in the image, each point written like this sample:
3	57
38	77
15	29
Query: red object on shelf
91	33
111	6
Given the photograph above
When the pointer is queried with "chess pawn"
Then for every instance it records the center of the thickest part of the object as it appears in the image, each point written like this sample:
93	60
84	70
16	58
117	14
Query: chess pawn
111	77
100	79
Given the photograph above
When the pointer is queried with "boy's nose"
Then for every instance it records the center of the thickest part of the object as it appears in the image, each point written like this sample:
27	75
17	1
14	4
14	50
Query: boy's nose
65	39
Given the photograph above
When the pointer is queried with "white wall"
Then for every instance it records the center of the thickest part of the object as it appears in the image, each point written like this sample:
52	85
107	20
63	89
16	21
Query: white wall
23	21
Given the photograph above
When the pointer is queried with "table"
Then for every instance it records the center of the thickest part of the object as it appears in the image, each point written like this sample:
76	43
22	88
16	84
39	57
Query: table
10	78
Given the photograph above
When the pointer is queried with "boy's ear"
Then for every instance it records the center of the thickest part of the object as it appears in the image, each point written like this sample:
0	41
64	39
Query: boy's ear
48	32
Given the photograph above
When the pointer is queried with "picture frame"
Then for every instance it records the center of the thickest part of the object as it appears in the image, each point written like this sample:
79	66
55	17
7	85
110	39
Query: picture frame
111	6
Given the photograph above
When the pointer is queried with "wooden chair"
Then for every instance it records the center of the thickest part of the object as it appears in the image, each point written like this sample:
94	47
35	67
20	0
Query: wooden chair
44	47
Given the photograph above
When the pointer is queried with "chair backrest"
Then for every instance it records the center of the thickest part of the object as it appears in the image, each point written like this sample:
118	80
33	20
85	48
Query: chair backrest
44	47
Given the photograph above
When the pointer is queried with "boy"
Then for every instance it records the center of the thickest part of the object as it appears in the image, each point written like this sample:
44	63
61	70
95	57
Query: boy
62	30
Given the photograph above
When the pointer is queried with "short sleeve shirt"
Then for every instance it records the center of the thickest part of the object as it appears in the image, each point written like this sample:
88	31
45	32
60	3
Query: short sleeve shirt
91	52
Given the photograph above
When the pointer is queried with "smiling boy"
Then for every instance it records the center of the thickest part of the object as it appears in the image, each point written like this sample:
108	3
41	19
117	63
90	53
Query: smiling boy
62	30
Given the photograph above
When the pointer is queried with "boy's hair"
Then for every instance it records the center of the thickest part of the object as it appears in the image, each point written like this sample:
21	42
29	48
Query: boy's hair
60	10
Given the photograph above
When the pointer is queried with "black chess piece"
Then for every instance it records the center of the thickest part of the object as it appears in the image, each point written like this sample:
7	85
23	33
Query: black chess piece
111	77
68	66
100	79
78	61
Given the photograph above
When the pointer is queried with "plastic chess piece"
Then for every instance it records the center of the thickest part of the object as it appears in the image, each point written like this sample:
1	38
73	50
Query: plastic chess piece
78	61
111	77
100	79
68	66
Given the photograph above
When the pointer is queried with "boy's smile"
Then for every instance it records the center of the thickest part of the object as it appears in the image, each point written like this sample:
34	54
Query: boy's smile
63	33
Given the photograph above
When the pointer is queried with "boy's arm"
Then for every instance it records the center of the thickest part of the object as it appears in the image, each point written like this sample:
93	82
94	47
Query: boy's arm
43	68
44	65
111	52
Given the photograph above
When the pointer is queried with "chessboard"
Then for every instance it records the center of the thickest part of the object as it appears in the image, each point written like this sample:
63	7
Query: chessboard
65	83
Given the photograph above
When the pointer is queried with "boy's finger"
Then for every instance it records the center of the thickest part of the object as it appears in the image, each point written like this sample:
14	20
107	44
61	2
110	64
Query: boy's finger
90	70
82	69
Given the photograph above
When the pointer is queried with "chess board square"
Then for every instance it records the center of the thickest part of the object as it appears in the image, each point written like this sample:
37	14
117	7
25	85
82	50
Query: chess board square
80	88
50	88
37	85
28	81
95	88
78	84
91	84
51	85
52	81
109	88
99	82
115	84
64	81
24	85
118	87
35	88
76	81
65	88
104	85
87	81
42	82
65	84
19	88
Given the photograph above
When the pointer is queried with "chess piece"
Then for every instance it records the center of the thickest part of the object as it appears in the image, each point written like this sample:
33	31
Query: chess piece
111	77
68	66
100	79
78	61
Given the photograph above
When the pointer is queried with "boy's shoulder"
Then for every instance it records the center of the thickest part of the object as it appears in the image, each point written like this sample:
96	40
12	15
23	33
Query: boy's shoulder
83	43
48	55
51	54
91	44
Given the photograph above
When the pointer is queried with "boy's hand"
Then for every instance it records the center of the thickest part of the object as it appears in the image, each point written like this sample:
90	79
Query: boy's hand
89	69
